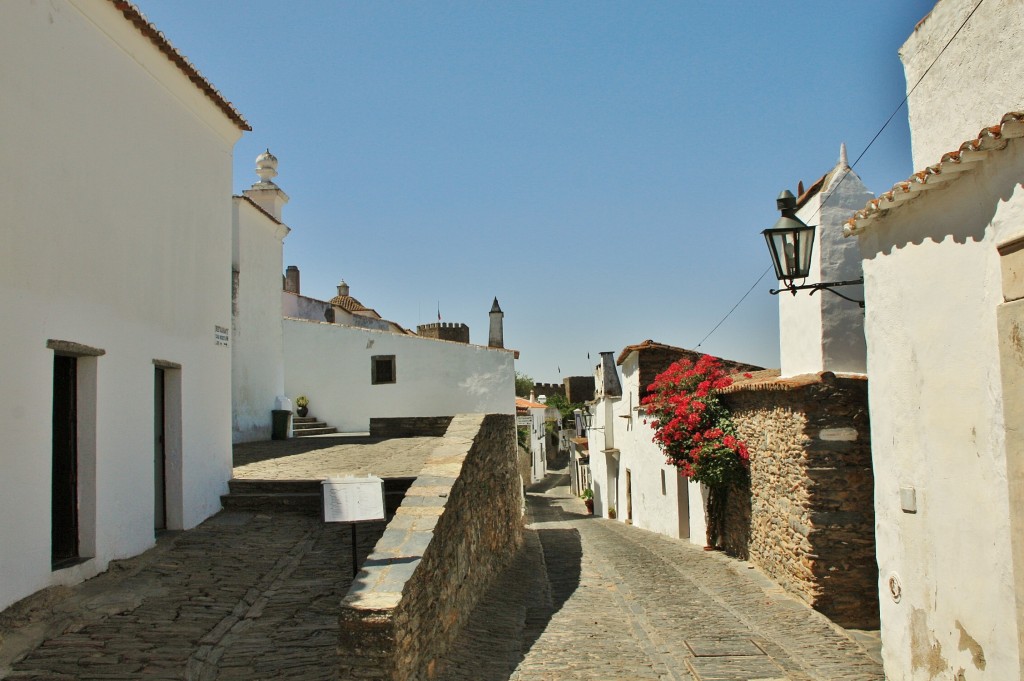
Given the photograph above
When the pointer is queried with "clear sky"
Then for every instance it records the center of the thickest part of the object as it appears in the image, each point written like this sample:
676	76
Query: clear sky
603	168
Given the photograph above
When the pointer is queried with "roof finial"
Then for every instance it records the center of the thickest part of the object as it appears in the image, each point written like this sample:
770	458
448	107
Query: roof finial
266	167
843	161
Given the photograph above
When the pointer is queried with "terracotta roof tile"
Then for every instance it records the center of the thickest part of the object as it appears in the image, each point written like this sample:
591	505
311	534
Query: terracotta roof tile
527	404
138	19
949	168
769	380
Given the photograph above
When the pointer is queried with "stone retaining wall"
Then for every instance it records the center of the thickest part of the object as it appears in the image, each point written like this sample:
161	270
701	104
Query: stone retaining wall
461	522
409	426
808	518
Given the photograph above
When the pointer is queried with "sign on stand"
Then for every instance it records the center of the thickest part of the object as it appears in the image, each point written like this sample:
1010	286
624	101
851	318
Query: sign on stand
353	499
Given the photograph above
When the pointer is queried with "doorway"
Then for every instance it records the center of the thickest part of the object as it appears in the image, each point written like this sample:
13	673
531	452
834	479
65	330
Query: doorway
159	451
629	496
64	481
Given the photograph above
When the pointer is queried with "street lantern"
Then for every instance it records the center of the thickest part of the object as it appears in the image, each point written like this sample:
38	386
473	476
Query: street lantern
791	242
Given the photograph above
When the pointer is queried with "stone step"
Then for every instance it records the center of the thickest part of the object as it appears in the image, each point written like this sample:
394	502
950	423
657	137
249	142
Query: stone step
319	430
303	419
303	496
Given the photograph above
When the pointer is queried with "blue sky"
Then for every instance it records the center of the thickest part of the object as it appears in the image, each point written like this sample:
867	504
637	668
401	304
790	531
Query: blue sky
603	168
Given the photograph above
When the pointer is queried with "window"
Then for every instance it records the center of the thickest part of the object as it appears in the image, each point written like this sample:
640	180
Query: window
382	369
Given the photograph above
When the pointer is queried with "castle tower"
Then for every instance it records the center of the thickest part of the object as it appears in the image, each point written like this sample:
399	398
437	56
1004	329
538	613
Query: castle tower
265	193
496	337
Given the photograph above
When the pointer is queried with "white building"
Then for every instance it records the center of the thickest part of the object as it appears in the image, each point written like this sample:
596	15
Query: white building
116	186
531	415
257	367
943	267
824	332
352	374
629	469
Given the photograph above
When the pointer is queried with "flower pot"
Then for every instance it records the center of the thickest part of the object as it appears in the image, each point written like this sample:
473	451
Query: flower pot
302	411
590	505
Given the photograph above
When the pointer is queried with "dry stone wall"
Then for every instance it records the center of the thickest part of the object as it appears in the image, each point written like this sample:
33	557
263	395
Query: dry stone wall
808	518
460	523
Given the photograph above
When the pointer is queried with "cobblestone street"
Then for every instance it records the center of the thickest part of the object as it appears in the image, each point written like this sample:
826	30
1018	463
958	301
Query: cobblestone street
623	603
255	596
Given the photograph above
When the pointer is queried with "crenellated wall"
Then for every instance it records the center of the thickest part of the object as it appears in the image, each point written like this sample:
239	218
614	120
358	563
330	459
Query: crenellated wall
808	518
449	331
459	524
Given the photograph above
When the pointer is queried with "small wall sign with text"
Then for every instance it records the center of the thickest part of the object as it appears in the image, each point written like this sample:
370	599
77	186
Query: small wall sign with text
221	335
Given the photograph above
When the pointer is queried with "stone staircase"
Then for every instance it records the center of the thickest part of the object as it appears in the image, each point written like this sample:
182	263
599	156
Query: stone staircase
304	426
302	496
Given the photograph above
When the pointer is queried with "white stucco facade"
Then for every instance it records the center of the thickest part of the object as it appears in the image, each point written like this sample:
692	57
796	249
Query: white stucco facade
969	84
257	367
629	470
823	332
943	326
331	364
117	220
938	429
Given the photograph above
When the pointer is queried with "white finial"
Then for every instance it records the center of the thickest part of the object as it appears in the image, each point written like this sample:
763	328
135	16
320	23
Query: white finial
266	167
842	156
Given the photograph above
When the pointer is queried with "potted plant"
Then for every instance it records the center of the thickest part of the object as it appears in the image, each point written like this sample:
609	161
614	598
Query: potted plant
301	405
588	499
611	512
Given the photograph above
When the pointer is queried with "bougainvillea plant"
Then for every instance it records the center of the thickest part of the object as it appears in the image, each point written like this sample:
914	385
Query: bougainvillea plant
694	430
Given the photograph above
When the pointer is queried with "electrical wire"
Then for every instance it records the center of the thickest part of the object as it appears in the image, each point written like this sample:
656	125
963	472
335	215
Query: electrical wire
854	164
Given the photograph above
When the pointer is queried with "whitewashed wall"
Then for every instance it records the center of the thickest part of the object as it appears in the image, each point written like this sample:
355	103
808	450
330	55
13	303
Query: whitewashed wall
330	364
257	355
937	427
117	224
660	508
538	444
970	86
823	332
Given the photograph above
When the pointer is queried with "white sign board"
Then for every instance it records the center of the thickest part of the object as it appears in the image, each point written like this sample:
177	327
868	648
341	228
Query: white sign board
353	499
524	420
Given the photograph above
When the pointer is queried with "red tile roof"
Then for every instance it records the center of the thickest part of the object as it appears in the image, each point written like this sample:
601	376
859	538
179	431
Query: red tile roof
522	403
949	168
138	19
769	380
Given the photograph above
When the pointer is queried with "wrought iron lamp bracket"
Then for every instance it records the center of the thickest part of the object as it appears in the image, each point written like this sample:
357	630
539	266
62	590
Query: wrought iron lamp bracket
823	286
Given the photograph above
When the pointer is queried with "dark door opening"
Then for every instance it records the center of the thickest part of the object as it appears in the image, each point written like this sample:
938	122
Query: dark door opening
64	487
159	454
629	496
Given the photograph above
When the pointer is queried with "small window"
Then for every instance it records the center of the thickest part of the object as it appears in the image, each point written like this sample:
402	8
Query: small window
382	369
663	490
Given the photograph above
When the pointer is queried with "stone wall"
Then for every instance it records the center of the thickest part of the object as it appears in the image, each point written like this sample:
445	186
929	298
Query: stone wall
579	388
409	426
460	523
808	518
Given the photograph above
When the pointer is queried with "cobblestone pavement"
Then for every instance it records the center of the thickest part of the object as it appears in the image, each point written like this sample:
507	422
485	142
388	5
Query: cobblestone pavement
243	596
254	596
314	458
595	599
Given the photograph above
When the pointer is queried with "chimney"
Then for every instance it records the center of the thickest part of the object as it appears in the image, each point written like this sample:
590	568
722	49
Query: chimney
823	332
342	288
496	337
610	385
291	279
265	193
